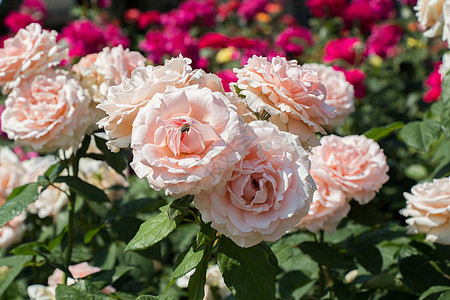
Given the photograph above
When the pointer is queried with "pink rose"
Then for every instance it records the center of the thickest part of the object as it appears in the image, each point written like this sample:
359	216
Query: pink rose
269	191
214	40
433	84
329	206
430	15
342	49
147	18
187	140
31	51
48	112
428	210
98	72
10	173
124	101
53	198
17	20
364	13
383	40
339	93
226	77
354	164
293	96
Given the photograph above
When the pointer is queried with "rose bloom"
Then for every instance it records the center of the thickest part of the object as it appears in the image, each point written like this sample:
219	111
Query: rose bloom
78	271
48	112
52	199
293	96
329	206
363	14
98	72
187	140
269	191
354	164
322	8
429	14
31	51
342	49
147	18
383	40
226	77
428	210
10	172
124	101
17	20
214	40
339	93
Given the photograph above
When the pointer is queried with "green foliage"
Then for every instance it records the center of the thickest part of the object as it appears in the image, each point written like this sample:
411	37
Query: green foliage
17	201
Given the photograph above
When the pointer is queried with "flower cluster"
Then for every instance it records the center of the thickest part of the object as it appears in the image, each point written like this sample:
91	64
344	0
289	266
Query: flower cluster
343	168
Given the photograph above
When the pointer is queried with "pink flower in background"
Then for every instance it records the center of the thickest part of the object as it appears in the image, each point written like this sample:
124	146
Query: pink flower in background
31	51
249	8
227	77
33	6
329	206
340	93
353	164
294	39
47	112
187	140
356	78
17	20
148	18
342	49
154	45
22	155
322	8
383	40
433	84
293	96
132	15
214	40
224	10
428	210
104	3
190	12
363	14
81	44
269	191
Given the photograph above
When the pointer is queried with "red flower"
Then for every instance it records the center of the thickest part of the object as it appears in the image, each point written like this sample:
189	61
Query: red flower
383	40
342	48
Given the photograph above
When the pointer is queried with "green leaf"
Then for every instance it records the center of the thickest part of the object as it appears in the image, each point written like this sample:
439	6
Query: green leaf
179	207
17	201
51	174
385	281
380	132
186	261
153	230
433	290
64	292
91	233
445	94
420	134
444	296
323	254
419	274
85	189
117	161
196	286
366	214
14	265
291	281
369	257
248	272
206	234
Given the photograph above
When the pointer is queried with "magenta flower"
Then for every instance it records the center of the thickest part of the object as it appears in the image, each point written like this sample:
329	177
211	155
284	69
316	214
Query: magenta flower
383	40
342	49
356	78
249	8
364	13
214	40
322	8
104	3
294	39
17	20
201	12
154	45
148	18
227	77
34	6
81	44
433	84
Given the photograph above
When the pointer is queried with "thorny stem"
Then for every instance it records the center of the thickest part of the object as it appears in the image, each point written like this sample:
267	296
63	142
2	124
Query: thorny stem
325	280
